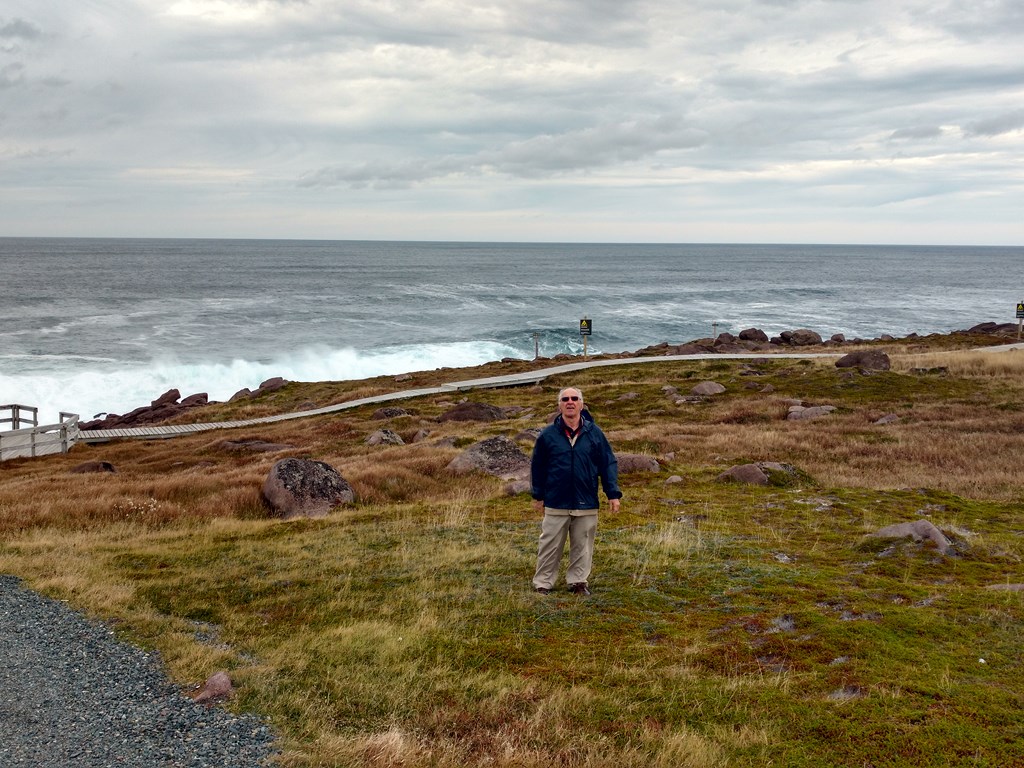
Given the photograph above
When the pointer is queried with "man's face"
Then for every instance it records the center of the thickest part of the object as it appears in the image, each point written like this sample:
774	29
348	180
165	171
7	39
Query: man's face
570	403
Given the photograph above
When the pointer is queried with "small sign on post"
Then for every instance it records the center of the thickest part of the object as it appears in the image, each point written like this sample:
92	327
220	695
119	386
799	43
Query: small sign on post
1020	317
586	328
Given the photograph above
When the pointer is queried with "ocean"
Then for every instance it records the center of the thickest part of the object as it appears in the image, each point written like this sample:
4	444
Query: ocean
94	326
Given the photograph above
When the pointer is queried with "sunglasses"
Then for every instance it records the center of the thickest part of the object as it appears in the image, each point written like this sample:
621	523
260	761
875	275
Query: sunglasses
574	398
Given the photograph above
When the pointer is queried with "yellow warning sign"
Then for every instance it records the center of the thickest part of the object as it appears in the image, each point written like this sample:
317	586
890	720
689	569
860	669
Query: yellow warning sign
586	326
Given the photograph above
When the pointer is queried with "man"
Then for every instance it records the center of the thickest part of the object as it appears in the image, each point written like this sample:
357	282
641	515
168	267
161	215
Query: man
568	458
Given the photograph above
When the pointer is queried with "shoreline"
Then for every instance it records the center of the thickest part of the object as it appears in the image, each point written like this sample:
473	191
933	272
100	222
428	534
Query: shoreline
752	341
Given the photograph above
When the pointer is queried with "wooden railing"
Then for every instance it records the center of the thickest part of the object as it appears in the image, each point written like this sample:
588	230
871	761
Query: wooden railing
35	440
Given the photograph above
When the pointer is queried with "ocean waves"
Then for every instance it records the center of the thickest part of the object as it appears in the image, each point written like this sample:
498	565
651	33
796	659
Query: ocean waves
92	387
134	318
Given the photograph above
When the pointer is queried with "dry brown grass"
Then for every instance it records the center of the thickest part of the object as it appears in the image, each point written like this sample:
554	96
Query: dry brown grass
401	631
967	364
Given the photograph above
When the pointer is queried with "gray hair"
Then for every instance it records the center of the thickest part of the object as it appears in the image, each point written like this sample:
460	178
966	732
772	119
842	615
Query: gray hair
566	389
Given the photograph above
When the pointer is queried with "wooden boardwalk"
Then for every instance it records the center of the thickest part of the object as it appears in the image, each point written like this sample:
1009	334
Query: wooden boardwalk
492	382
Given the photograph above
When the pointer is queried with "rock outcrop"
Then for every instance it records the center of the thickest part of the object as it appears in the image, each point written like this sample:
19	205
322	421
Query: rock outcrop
163	408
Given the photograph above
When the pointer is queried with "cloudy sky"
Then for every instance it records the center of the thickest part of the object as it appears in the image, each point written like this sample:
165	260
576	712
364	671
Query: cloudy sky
843	121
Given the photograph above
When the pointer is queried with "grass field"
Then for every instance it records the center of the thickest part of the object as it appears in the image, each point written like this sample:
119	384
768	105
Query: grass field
730	625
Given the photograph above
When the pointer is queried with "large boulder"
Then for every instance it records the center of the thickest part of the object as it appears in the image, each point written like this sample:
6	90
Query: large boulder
496	456
472	411
754	334
804	337
305	488
865	360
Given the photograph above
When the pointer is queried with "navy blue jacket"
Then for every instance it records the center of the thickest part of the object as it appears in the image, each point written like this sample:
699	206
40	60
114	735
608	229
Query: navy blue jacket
565	476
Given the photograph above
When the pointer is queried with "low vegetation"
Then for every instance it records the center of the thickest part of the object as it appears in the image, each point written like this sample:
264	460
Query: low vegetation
730	625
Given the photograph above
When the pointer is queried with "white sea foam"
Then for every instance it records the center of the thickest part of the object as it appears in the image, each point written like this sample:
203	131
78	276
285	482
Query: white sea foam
92	390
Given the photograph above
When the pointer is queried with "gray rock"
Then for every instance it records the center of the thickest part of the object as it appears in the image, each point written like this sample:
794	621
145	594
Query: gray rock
305	488
496	456
707	388
889	418
919	530
800	413
384	437
636	462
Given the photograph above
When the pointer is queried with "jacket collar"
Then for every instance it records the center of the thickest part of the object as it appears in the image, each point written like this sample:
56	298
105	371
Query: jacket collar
586	421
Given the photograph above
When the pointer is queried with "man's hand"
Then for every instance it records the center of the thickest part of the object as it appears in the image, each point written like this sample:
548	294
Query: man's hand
538	505
613	504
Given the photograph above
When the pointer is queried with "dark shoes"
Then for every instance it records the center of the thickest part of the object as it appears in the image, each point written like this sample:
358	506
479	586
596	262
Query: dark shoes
580	588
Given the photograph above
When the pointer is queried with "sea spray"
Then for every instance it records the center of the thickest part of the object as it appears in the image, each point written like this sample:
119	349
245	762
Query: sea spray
122	388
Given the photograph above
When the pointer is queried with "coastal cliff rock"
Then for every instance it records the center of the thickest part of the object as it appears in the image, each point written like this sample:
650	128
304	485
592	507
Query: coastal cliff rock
163	408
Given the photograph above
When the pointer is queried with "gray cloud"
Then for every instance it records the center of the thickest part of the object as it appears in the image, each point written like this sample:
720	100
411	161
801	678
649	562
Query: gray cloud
996	126
19	29
917	132
256	108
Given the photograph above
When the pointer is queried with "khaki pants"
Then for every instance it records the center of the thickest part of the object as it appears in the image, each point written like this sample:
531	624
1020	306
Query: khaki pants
581	528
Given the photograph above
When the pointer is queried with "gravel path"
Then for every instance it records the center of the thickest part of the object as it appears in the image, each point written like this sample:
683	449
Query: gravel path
73	695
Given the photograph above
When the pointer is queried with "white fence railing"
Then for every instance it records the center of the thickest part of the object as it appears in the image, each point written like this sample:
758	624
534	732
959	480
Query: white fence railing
34	440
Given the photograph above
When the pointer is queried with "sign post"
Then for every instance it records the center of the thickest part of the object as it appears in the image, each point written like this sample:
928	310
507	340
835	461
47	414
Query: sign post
1020	317
586	328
